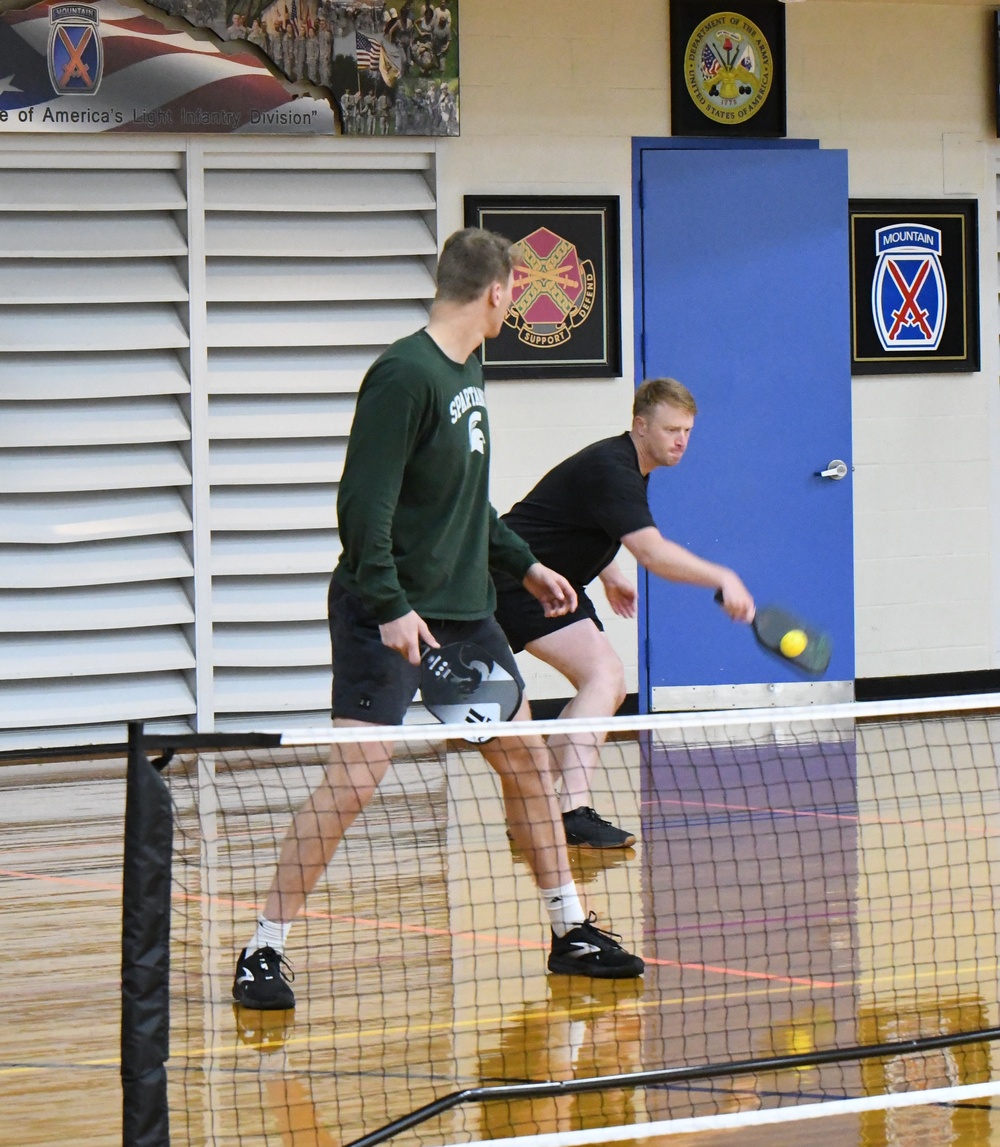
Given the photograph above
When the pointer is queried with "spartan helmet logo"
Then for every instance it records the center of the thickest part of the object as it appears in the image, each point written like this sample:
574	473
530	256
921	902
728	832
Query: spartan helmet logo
477	439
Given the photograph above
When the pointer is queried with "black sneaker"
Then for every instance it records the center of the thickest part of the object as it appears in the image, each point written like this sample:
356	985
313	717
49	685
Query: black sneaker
585	828
261	982
589	951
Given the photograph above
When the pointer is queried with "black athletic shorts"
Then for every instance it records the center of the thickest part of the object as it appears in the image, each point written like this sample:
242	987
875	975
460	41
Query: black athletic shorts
523	619
372	682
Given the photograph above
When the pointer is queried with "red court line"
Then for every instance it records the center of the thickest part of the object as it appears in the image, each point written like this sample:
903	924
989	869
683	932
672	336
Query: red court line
815	815
423	930
986	832
743	974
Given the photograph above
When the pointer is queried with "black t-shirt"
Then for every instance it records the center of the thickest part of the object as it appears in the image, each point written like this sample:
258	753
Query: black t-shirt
575	518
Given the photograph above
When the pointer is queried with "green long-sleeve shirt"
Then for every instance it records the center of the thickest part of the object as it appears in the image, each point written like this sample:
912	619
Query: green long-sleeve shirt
416	525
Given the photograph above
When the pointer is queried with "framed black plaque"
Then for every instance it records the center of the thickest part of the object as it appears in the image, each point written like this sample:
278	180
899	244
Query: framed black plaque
914	286
996	69
727	68
564	321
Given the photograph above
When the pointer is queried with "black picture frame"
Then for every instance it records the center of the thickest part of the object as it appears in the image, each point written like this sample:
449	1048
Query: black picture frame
911	259
570	327
996	69
745	95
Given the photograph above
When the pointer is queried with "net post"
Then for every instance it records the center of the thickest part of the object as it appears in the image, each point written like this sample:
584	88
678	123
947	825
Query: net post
145	1027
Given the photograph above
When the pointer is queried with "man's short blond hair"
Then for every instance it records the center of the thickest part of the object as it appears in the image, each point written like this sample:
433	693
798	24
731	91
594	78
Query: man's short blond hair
662	392
472	260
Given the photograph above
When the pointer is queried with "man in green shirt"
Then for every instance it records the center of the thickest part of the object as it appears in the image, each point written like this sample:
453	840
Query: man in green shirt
419	536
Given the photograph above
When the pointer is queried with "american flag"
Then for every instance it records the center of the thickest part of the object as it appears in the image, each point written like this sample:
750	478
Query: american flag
367	52
154	78
709	62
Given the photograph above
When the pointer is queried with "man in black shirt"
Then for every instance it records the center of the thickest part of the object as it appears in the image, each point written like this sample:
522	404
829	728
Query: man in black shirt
574	521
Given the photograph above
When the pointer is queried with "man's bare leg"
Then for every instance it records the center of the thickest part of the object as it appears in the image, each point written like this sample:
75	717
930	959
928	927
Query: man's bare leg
583	655
578	946
349	782
522	765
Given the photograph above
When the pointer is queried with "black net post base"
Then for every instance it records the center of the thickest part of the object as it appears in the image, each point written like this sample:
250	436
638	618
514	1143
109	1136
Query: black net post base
146	883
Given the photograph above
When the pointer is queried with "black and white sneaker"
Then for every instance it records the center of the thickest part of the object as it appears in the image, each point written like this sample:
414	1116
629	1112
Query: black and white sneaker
588	951
261	981
586	829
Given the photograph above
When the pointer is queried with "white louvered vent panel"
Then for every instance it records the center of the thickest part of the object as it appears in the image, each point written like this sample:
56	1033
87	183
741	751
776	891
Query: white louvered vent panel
91	423
91	328
316	236
297	507
90	654
280	416
301	598
96	600
58	190
91	608
309	280
322	370
279	552
289	690
101	733
48	377
313	324
309	276
326	192
281	462
47	281
119	434
259	646
28	519
128	560
81	702
91	468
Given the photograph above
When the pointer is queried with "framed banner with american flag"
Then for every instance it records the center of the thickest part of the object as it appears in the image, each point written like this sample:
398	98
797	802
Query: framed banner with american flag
121	66
249	66
564	319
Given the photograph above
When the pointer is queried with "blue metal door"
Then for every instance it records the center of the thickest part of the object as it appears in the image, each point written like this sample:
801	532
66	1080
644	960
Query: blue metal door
742	294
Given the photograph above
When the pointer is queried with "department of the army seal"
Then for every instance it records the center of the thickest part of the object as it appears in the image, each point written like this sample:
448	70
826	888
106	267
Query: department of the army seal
728	67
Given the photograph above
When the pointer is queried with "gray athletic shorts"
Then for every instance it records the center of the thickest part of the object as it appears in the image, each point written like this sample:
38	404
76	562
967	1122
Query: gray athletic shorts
372	682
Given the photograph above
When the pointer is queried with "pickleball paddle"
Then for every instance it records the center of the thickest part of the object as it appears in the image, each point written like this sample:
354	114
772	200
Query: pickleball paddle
461	684
792	639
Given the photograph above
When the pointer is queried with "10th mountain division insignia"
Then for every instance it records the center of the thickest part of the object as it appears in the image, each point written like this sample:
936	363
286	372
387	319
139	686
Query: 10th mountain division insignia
909	296
75	53
554	290
728	67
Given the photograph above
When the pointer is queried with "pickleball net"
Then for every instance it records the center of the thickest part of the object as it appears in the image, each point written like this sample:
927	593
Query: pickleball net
812	890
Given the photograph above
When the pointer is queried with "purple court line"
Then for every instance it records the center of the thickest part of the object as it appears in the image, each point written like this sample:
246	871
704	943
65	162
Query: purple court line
705	805
395	926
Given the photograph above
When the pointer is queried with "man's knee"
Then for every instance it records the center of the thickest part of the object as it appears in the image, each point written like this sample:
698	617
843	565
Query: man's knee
607	673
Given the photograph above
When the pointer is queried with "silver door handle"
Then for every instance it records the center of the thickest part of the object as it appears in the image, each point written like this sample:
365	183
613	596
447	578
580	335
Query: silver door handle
836	470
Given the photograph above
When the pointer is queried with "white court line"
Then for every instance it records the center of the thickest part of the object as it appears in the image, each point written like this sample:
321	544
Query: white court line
739	1119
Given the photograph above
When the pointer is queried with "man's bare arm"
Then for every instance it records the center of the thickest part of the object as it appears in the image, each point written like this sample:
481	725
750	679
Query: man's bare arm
673	562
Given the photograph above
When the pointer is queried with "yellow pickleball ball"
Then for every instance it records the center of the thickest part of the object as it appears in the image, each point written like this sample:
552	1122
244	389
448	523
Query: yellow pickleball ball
793	643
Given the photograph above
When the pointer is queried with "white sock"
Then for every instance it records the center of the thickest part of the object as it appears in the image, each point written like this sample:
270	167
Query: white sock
564	907
269	934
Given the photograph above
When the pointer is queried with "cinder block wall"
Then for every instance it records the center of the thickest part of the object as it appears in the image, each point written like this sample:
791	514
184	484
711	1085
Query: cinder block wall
552	95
